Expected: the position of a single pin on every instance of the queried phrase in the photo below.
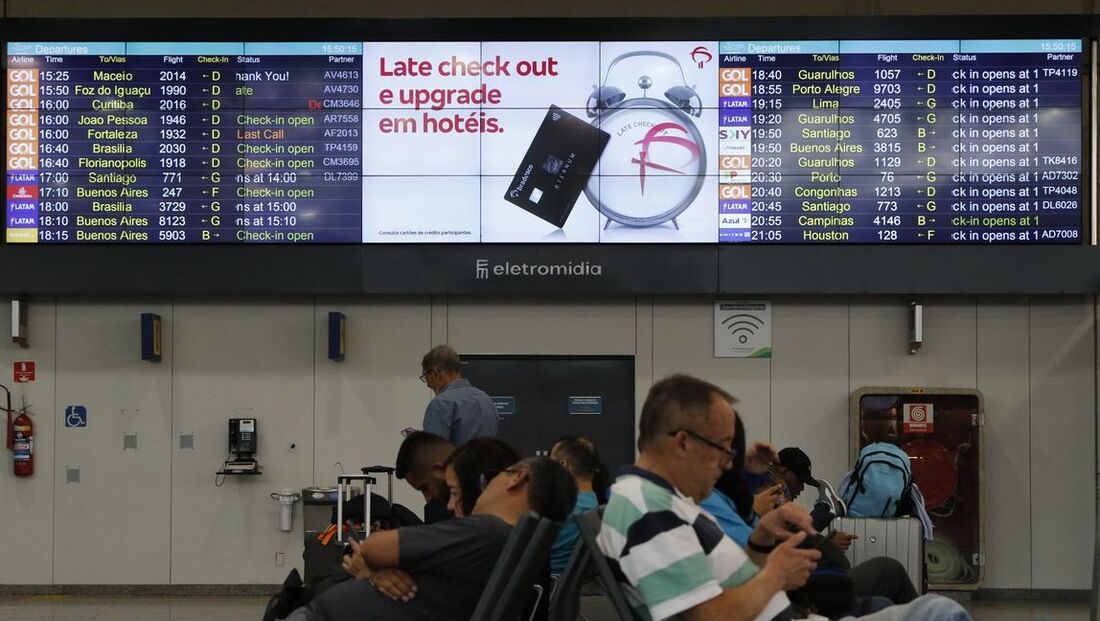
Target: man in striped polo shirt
(672, 558)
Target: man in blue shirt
(581, 460)
(459, 412)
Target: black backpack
(296, 593)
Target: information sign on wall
(743, 329)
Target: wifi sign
(742, 326)
(742, 329)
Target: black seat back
(509, 561)
(520, 586)
(565, 602)
(589, 524)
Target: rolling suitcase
(901, 539)
(323, 551)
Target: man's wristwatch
(762, 549)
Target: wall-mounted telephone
(242, 438)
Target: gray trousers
(925, 608)
(884, 577)
(300, 614)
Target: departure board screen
(774, 142)
(902, 141)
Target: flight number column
(903, 138)
(183, 134)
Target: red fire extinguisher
(23, 445)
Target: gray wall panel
(879, 344)
(1003, 369)
(27, 511)
(1063, 415)
(809, 385)
(521, 325)
(99, 366)
(364, 402)
(233, 361)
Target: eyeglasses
(489, 475)
(730, 453)
(425, 374)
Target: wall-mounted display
(694, 141)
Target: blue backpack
(880, 483)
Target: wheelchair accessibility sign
(76, 416)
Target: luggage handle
(388, 471)
(343, 482)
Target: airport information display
(777, 142)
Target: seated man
(579, 457)
(449, 562)
(792, 473)
(673, 559)
(878, 577)
(420, 462)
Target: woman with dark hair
(471, 467)
(474, 464)
(732, 501)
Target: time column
(58, 202)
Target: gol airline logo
(732, 191)
(656, 135)
(734, 162)
(22, 89)
(734, 74)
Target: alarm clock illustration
(656, 160)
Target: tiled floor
(1028, 611)
(72, 608)
(599, 609)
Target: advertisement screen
(708, 141)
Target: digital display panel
(779, 142)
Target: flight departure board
(902, 141)
(738, 142)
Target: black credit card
(557, 166)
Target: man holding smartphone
(673, 559)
